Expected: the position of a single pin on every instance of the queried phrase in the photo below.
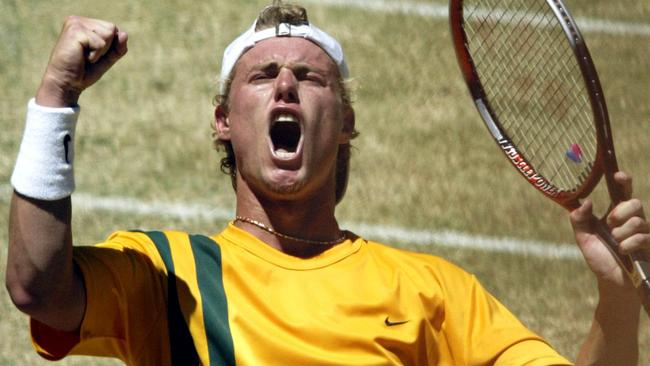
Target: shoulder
(129, 246)
(144, 241)
(409, 257)
(424, 266)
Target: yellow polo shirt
(169, 298)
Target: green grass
(423, 160)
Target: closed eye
(305, 74)
(313, 77)
(270, 71)
(267, 72)
(262, 76)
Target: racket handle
(642, 270)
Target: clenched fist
(85, 50)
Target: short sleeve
(125, 287)
(482, 331)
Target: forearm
(40, 272)
(613, 337)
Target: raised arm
(613, 337)
(41, 278)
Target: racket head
(534, 84)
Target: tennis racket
(535, 86)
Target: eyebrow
(294, 66)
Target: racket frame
(636, 267)
(568, 199)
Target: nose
(286, 86)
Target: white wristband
(44, 164)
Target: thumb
(582, 220)
(117, 49)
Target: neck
(309, 218)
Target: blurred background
(425, 175)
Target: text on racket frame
(524, 167)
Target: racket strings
(536, 20)
(528, 139)
(534, 85)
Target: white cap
(249, 38)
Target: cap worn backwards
(249, 38)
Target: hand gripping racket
(534, 83)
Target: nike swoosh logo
(392, 324)
(66, 143)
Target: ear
(221, 123)
(348, 125)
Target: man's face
(286, 118)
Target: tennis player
(282, 284)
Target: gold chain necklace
(288, 237)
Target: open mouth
(285, 135)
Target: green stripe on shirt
(207, 255)
(182, 349)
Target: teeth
(282, 153)
(286, 118)
(284, 135)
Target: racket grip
(641, 279)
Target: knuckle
(639, 241)
(73, 24)
(631, 243)
(613, 219)
(644, 238)
(636, 205)
(638, 222)
(72, 21)
(626, 211)
(644, 227)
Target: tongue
(285, 137)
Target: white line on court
(387, 234)
(440, 11)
